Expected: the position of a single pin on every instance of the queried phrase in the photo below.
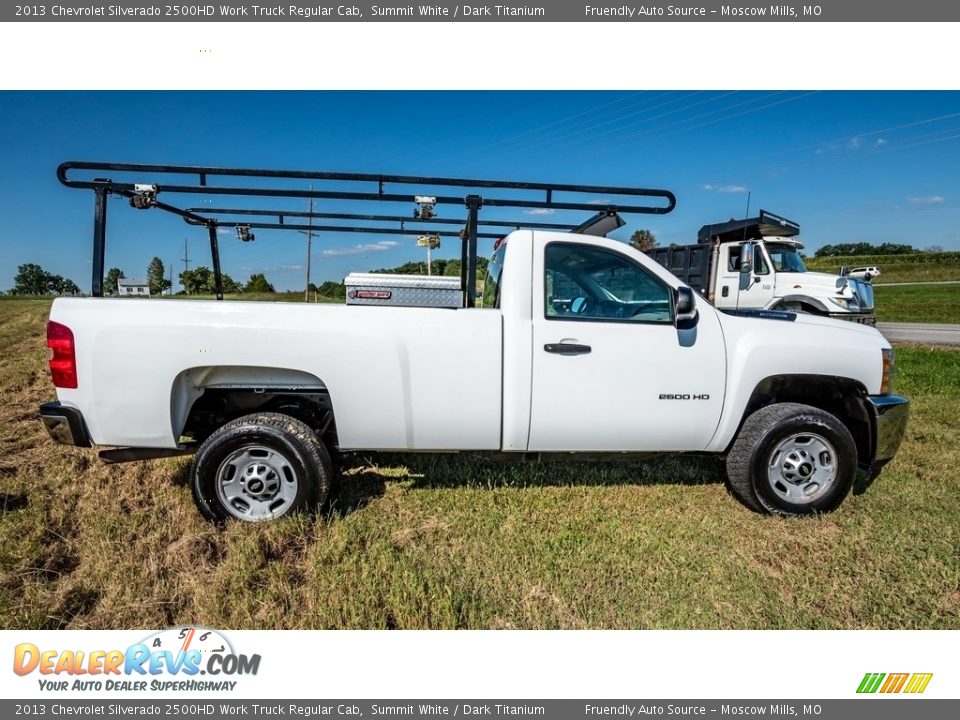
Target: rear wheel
(260, 467)
(792, 459)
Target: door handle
(567, 348)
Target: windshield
(786, 258)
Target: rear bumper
(889, 415)
(65, 424)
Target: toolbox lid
(422, 282)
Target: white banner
(450, 664)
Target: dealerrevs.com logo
(173, 659)
(911, 683)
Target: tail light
(62, 355)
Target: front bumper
(65, 424)
(861, 319)
(889, 414)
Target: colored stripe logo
(914, 683)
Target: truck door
(610, 370)
(759, 293)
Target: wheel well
(807, 304)
(217, 406)
(839, 396)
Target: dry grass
(453, 542)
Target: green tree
(451, 268)
(197, 281)
(70, 288)
(230, 286)
(31, 279)
(643, 240)
(56, 284)
(200, 281)
(110, 281)
(156, 277)
(331, 289)
(258, 284)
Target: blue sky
(848, 166)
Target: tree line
(31, 279)
(196, 281)
(864, 248)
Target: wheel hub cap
(256, 483)
(802, 468)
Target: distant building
(133, 287)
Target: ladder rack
(150, 181)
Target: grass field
(918, 303)
(922, 267)
(450, 542)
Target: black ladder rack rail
(404, 223)
(150, 174)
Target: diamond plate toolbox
(403, 290)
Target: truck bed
(395, 376)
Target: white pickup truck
(581, 345)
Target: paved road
(925, 333)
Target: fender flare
(806, 300)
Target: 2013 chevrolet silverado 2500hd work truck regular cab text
(582, 344)
(579, 344)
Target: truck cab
(756, 264)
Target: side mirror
(685, 306)
(746, 265)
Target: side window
(491, 284)
(733, 257)
(583, 282)
(760, 261)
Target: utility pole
(186, 261)
(306, 290)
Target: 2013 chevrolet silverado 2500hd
(580, 344)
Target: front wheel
(792, 459)
(260, 467)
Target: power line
(561, 121)
(593, 135)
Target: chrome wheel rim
(256, 483)
(802, 468)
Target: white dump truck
(755, 264)
(579, 345)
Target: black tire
(748, 462)
(273, 453)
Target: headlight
(849, 304)
(889, 370)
